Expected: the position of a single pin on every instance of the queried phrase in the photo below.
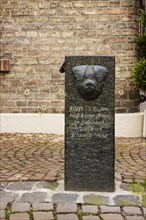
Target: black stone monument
(89, 123)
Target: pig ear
(100, 73)
(79, 71)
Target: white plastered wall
(126, 125)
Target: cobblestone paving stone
(40, 157)
(74, 211)
(31, 157)
(131, 158)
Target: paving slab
(3, 205)
(43, 184)
(64, 197)
(91, 218)
(135, 218)
(132, 210)
(110, 209)
(90, 209)
(144, 211)
(25, 185)
(18, 216)
(20, 207)
(129, 200)
(112, 217)
(66, 207)
(96, 199)
(6, 197)
(34, 197)
(67, 217)
(2, 214)
(42, 206)
(43, 216)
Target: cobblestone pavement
(69, 211)
(29, 161)
(31, 157)
(131, 159)
(41, 157)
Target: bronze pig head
(90, 80)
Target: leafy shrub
(139, 70)
(142, 17)
(141, 42)
(139, 74)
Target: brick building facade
(36, 35)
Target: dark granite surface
(89, 127)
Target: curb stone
(41, 195)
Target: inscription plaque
(89, 123)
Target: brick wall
(37, 34)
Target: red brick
(10, 103)
(117, 11)
(33, 103)
(30, 110)
(34, 82)
(21, 103)
(4, 65)
(115, 3)
(56, 103)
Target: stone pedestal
(89, 123)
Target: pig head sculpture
(89, 80)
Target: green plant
(53, 185)
(8, 213)
(141, 42)
(142, 17)
(139, 74)
(144, 183)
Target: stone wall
(36, 36)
